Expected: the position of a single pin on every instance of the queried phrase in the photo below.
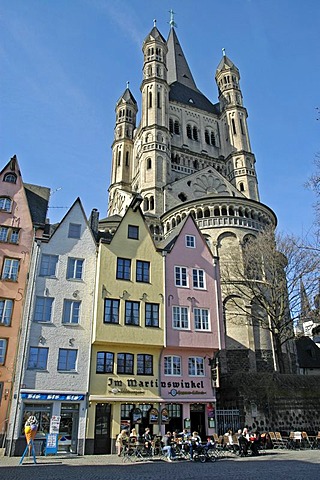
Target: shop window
(38, 358)
(48, 265)
(125, 363)
(144, 364)
(105, 362)
(152, 315)
(42, 412)
(111, 310)
(143, 271)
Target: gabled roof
(38, 200)
(178, 68)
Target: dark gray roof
(225, 61)
(38, 199)
(127, 97)
(308, 353)
(154, 34)
(193, 98)
(178, 68)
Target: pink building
(193, 331)
(23, 210)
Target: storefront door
(68, 431)
(198, 420)
(102, 440)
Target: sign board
(153, 415)
(55, 424)
(164, 416)
(53, 396)
(51, 444)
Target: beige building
(128, 334)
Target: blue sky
(65, 63)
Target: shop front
(68, 411)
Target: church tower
(240, 160)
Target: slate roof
(183, 94)
(38, 200)
(308, 353)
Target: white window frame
(196, 367)
(190, 241)
(11, 265)
(198, 282)
(71, 312)
(181, 276)
(72, 267)
(202, 317)
(179, 316)
(6, 309)
(172, 366)
(3, 350)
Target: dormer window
(10, 178)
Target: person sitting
(167, 446)
(254, 442)
(243, 442)
(194, 442)
(147, 438)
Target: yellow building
(128, 334)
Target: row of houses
(102, 330)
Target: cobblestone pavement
(274, 465)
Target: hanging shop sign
(55, 424)
(164, 416)
(153, 415)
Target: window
(143, 271)
(43, 309)
(3, 350)
(172, 365)
(75, 268)
(206, 137)
(67, 359)
(196, 366)
(6, 307)
(71, 312)
(111, 310)
(132, 313)
(195, 133)
(149, 163)
(10, 269)
(201, 319)
(152, 315)
(104, 362)
(198, 278)
(190, 241)
(5, 204)
(125, 363)
(170, 125)
(38, 357)
(48, 265)
(123, 268)
(9, 235)
(181, 279)
(133, 232)
(180, 318)
(74, 230)
(189, 131)
(10, 178)
(176, 127)
(144, 364)
(233, 126)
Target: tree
(314, 184)
(268, 275)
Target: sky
(65, 63)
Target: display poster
(153, 416)
(55, 424)
(51, 444)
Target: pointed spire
(225, 62)
(127, 96)
(178, 68)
